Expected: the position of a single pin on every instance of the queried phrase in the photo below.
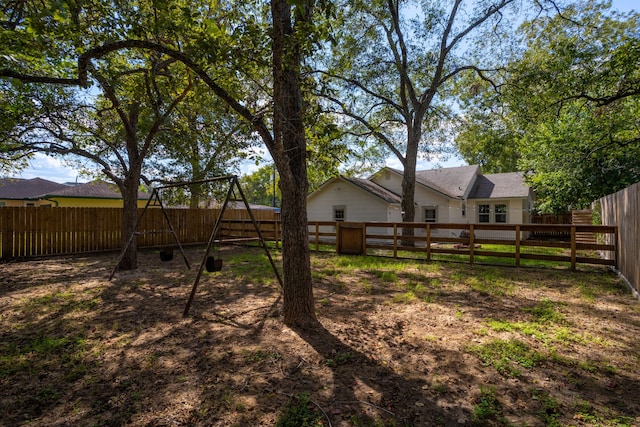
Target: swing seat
(166, 254)
(213, 264)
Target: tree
(568, 107)
(200, 141)
(118, 132)
(290, 156)
(260, 187)
(484, 132)
(391, 75)
(206, 46)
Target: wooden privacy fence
(467, 241)
(38, 231)
(622, 209)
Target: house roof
(500, 186)
(456, 183)
(364, 184)
(94, 189)
(18, 188)
(238, 204)
(375, 189)
(452, 182)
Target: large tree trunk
(409, 189)
(129, 191)
(289, 154)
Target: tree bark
(289, 154)
(129, 190)
(409, 184)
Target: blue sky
(55, 170)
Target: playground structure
(234, 193)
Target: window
(2, 204)
(501, 213)
(339, 213)
(431, 214)
(483, 213)
(463, 207)
(493, 213)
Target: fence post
(7, 232)
(471, 243)
(428, 242)
(364, 238)
(616, 252)
(517, 246)
(395, 240)
(573, 248)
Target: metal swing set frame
(156, 200)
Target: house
(447, 195)
(97, 194)
(26, 192)
(40, 192)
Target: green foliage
(299, 413)
(507, 356)
(487, 408)
(550, 409)
(340, 358)
(567, 109)
(545, 312)
(526, 328)
(259, 187)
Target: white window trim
(342, 208)
(483, 213)
(506, 213)
(424, 213)
(492, 212)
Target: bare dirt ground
(401, 343)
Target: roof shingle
(94, 189)
(18, 188)
(375, 189)
(500, 185)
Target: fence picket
(36, 231)
(621, 209)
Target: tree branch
(98, 52)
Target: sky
(53, 169)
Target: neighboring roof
(500, 186)
(94, 189)
(375, 189)
(239, 204)
(18, 188)
(364, 184)
(452, 182)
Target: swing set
(211, 263)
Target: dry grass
(401, 343)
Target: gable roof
(94, 189)
(364, 184)
(18, 188)
(452, 182)
(500, 186)
(375, 189)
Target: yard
(402, 343)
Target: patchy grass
(401, 343)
